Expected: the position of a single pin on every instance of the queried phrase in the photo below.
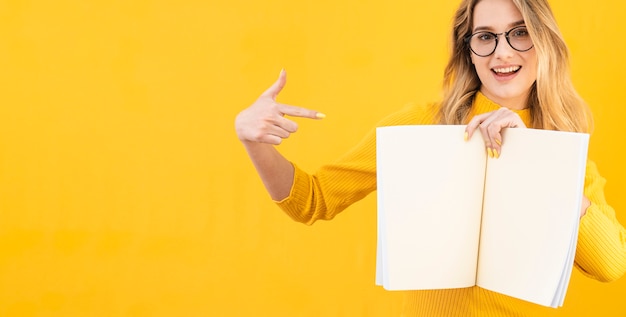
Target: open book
(451, 217)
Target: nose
(503, 48)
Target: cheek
(532, 63)
(482, 69)
(532, 59)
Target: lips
(505, 73)
(506, 70)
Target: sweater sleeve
(352, 177)
(601, 249)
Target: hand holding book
(491, 125)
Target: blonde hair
(553, 101)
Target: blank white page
(430, 189)
(533, 198)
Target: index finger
(474, 123)
(300, 112)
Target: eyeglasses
(484, 43)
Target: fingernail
(490, 152)
(499, 142)
(496, 154)
(282, 70)
(320, 115)
(466, 136)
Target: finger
(481, 122)
(503, 118)
(495, 135)
(300, 112)
(492, 132)
(277, 125)
(286, 124)
(489, 126)
(277, 87)
(483, 128)
(473, 125)
(270, 133)
(271, 139)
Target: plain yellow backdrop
(125, 192)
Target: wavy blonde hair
(553, 101)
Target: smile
(506, 70)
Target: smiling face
(506, 75)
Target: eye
(485, 36)
(521, 33)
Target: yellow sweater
(600, 253)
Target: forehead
(497, 15)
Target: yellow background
(125, 192)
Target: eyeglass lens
(484, 43)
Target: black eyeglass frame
(497, 38)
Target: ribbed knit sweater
(600, 253)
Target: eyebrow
(487, 28)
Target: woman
(508, 69)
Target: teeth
(507, 69)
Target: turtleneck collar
(482, 104)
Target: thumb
(275, 89)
